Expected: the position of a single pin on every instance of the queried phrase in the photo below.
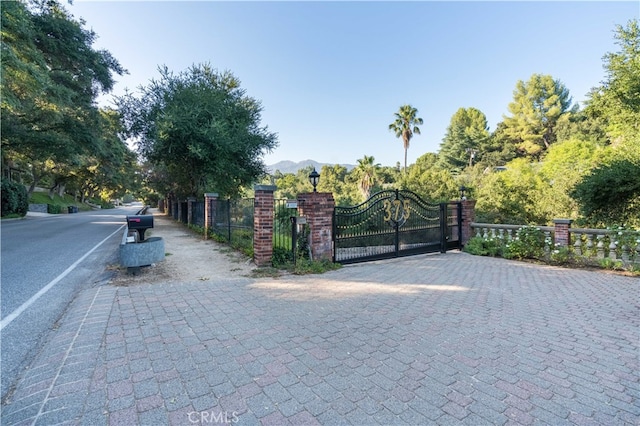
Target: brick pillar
(452, 210)
(318, 208)
(468, 217)
(561, 236)
(190, 202)
(209, 211)
(263, 224)
(161, 206)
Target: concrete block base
(145, 253)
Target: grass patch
(306, 266)
(57, 204)
(12, 216)
(266, 272)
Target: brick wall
(318, 208)
(561, 232)
(468, 216)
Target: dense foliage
(14, 198)
(548, 159)
(610, 193)
(51, 77)
(198, 129)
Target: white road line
(13, 315)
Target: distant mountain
(293, 167)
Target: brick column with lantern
(318, 208)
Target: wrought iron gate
(394, 223)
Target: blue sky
(330, 75)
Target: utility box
(140, 223)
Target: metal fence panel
(175, 211)
(282, 226)
(197, 213)
(234, 221)
(184, 213)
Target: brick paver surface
(437, 339)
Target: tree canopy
(51, 76)
(617, 101)
(201, 128)
(465, 140)
(537, 108)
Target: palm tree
(367, 170)
(405, 126)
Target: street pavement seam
(66, 356)
(56, 372)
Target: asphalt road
(44, 262)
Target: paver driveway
(430, 339)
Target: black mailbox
(140, 223)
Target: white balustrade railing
(584, 242)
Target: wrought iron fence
(282, 226)
(197, 213)
(184, 212)
(234, 222)
(174, 211)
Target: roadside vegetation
(530, 244)
(283, 259)
(548, 158)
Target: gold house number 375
(396, 210)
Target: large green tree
(465, 138)
(405, 126)
(202, 127)
(337, 180)
(617, 101)
(51, 76)
(564, 165)
(512, 196)
(610, 194)
(111, 171)
(538, 106)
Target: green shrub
(281, 257)
(608, 263)
(306, 266)
(481, 247)
(302, 243)
(625, 236)
(634, 269)
(528, 243)
(560, 256)
(14, 199)
(54, 209)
